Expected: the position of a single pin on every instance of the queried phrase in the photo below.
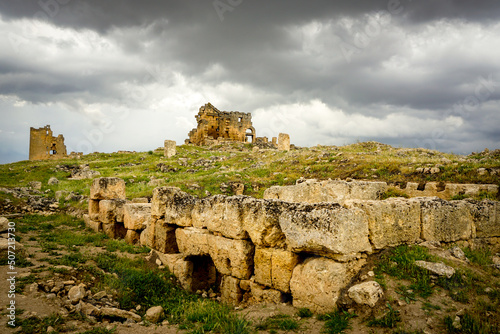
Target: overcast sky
(126, 75)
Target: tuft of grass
(336, 322)
(481, 256)
(389, 320)
(203, 316)
(100, 330)
(304, 312)
(392, 192)
(279, 321)
(471, 324)
(113, 245)
(34, 325)
(399, 262)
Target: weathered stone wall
(271, 250)
(214, 124)
(43, 145)
(170, 148)
(313, 191)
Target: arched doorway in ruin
(250, 135)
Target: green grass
(304, 312)
(34, 325)
(279, 321)
(399, 262)
(388, 320)
(471, 324)
(481, 256)
(336, 322)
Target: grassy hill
(204, 170)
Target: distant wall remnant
(283, 142)
(43, 145)
(170, 148)
(313, 191)
(214, 124)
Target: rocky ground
(72, 299)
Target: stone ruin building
(43, 145)
(214, 124)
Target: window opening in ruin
(421, 186)
(239, 119)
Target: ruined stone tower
(214, 124)
(43, 145)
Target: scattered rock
(115, 312)
(83, 172)
(99, 295)
(4, 224)
(53, 181)
(37, 185)
(439, 268)
(458, 253)
(76, 293)
(154, 314)
(367, 293)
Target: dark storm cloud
(384, 68)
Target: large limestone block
(172, 204)
(136, 215)
(317, 283)
(192, 241)
(111, 211)
(391, 222)
(170, 148)
(114, 231)
(221, 214)
(94, 209)
(107, 188)
(232, 257)
(446, 221)
(262, 294)
(164, 237)
(312, 191)
(486, 215)
(326, 229)
(95, 225)
(261, 221)
(274, 267)
(148, 234)
(283, 142)
(230, 290)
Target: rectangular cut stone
(221, 214)
(230, 290)
(392, 222)
(92, 224)
(312, 191)
(173, 205)
(107, 188)
(325, 229)
(232, 257)
(170, 148)
(446, 221)
(114, 231)
(94, 209)
(192, 241)
(316, 283)
(262, 294)
(274, 267)
(486, 215)
(111, 211)
(164, 237)
(283, 142)
(261, 221)
(136, 215)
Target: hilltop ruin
(43, 145)
(214, 124)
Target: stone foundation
(271, 250)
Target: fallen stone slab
(437, 268)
